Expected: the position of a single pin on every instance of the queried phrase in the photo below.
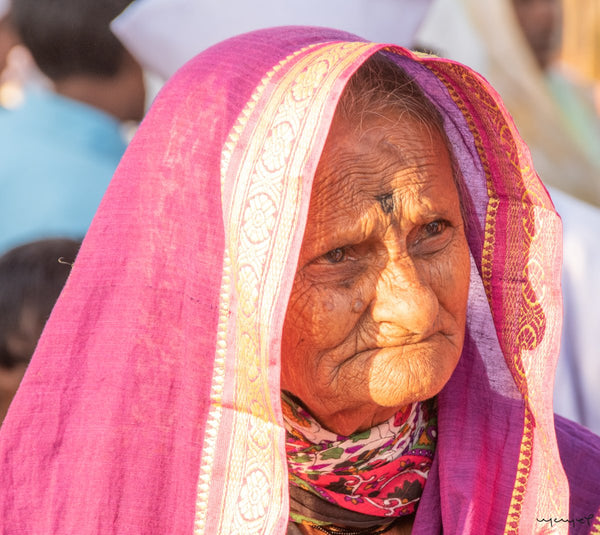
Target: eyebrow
(387, 202)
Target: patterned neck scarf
(378, 472)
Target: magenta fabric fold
(129, 417)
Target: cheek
(450, 277)
(458, 288)
(318, 318)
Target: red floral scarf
(377, 472)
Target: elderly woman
(320, 296)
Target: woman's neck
(351, 420)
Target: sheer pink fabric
(152, 403)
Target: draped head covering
(152, 404)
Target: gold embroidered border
(522, 477)
(266, 196)
(488, 251)
(596, 524)
(531, 316)
(259, 228)
(487, 255)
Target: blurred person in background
(541, 22)
(515, 44)
(17, 68)
(31, 279)
(61, 147)
(8, 36)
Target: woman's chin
(397, 381)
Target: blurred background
(580, 49)
(581, 38)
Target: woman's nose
(405, 303)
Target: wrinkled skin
(377, 312)
(541, 22)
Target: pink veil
(152, 402)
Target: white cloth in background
(164, 34)
(576, 390)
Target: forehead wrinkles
(375, 165)
(351, 178)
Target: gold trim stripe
(278, 128)
(595, 530)
(487, 261)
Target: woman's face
(377, 312)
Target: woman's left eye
(432, 236)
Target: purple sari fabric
(580, 453)
(152, 404)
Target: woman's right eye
(335, 256)
(341, 264)
(339, 255)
